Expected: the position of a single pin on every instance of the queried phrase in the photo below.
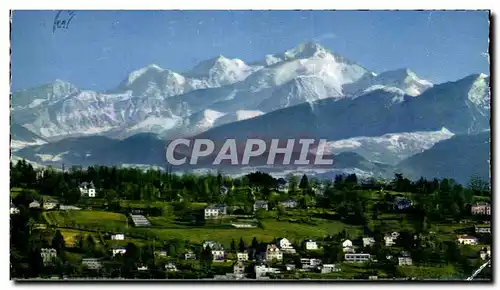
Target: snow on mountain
(390, 148)
(371, 115)
(32, 98)
(221, 71)
(402, 79)
(22, 137)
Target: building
(239, 268)
(92, 263)
(311, 245)
(170, 267)
(391, 239)
(260, 204)
(242, 256)
(160, 253)
(483, 229)
(215, 211)
(467, 240)
(290, 267)
(50, 204)
(285, 245)
(357, 258)
(273, 253)
(289, 203)
(481, 208)
(308, 263)
(140, 220)
(329, 268)
(402, 203)
(262, 270)
(48, 255)
(118, 237)
(223, 190)
(405, 259)
(347, 246)
(218, 252)
(87, 189)
(190, 255)
(368, 242)
(68, 207)
(485, 253)
(34, 204)
(118, 251)
(13, 209)
(142, 268)
(320, 190)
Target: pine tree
(304, 182)
(242, 245)
(58, 242)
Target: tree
(255, 243)
(233, 246)
(241, 245)
(58, 242)
(304, 182)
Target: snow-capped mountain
(153, 99)
(390, 148)
(372, 121)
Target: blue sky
(100, 48)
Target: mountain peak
(306, 50)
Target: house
(190, 255)
(368, 241)
(87, 189)
(308, 263)
(242, 256)
(34, 204)
(402, 203)
(262, 270)
(347, 246)
(239, 268)
(118, 237)
(92, 263)
(223, 190)
(218, 252)
(485, 253)
(48, 255)
(140, 220)
(405, 259)
(215, 211)
(289, 203)
(290, 267)
(260, 204)
(50, 204)
(39, 226)
(311, 245)
(142, 268)
(481, 208)
(118, 251)
(357, 258)
(285, 245)
(467, 240)
(170, 267)
(273, 253)
(13, 209)
(483, 229)
(329, 268)
(160, 253)
(391, 239)
(68, 207)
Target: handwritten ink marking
(62, 20)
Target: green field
(94, 219)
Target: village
(248, 247)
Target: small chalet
(87, 189)
(311, 245)
(481, 208)
(34, 204)
(402, 203)
(48, 255)
(215, 211)
(467, 240)
(273, 253)
(405, 259)
(260, 204)
(289, 203)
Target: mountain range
(384, 119)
